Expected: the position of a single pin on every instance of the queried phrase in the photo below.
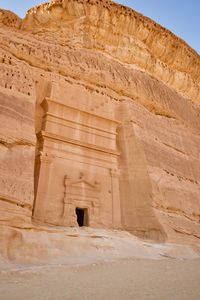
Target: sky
(182, 17)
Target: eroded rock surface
(100, 102)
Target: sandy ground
(97, 264)
(124, 279)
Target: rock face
(100, 122)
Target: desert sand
(101, 264)
(126, 279)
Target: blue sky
(180, 16)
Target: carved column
(41, 200)
(67, 203)
(116, 205)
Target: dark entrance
(82, 217)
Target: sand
(100, 264)
(123, 279)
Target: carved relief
(46, 157)
(78, 140)
(115, 172)
(84, 194)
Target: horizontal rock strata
(107, 60)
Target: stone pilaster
(66, 203)
(41, 200)
(116, 205)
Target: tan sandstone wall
(109, 60)
(17, 155)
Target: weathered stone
(99, 123)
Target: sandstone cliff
(106, 59)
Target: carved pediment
(82, 183)
(82, 190)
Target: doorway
(82, 216)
